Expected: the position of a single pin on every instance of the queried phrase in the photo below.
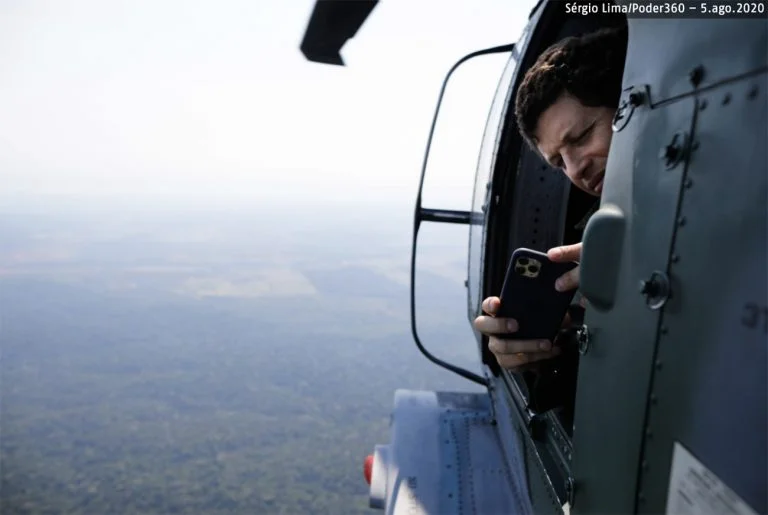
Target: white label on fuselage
(696, 490)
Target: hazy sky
(213, 101)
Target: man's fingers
(491, 305)
(491, 325)
(504, 346)
(565, 253)
(568, 281)
(512, 361)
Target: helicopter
(663, 407)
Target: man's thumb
(565, 253)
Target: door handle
(601, 256)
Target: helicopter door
(639, 206)
(672, 380)
(471, 218)
(709, 388)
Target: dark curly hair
(589, 67)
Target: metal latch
(570, 491)
(633, 97)
(582, 338)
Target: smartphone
(529, 296)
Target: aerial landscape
(205, 247)
(212, 362)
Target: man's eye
(583, 136)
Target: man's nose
(574, 166)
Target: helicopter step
(445, 456)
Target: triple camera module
(527, 267)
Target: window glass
(483, 177)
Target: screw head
(669, 152)
(655, 289)
(648, 287)
(696, 75)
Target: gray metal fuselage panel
(445, 457)
(709, 391)
(692, 370)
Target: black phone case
(529, 296)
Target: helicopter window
(531, 204)
(481, 194)
(539, 208)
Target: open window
(531, 204)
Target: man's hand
(510, 354)
(569, 280)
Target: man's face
(576, 139)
